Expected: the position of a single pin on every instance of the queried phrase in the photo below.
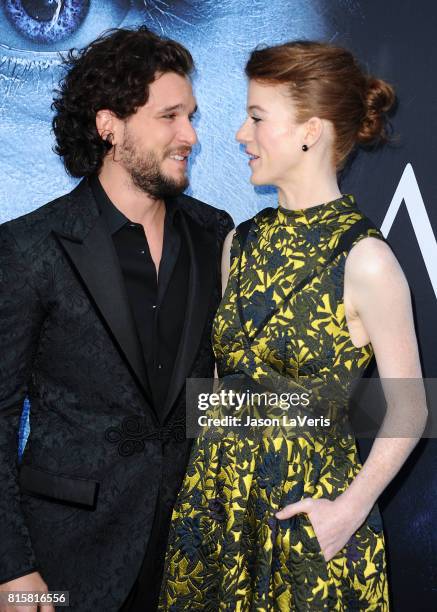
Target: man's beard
(146, 173)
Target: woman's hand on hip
(334, 522)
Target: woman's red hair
(326, 81)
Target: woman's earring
(304, 147)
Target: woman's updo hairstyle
(326, 81)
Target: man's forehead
(171, 89)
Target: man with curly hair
(108, 295)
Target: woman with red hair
(312, 293)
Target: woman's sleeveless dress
(226, 549)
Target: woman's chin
(256, 180)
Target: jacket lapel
(92, 254)
(203, 276)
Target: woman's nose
(242, 133)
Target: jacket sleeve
(21, 318)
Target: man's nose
(189, 135)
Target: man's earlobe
(108, 139)
(104, 123)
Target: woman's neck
(304, 192)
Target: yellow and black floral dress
(282, 314)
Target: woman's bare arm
(378, 291)
(226, 258)
(378, 296)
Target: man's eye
(255, 119)
(171, 116)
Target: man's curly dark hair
(113, 72)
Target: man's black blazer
(79, 507)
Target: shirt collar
(113, 217)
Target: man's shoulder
(31, 227)
(209, 217)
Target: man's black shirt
(157, 303)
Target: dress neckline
(320, 213)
